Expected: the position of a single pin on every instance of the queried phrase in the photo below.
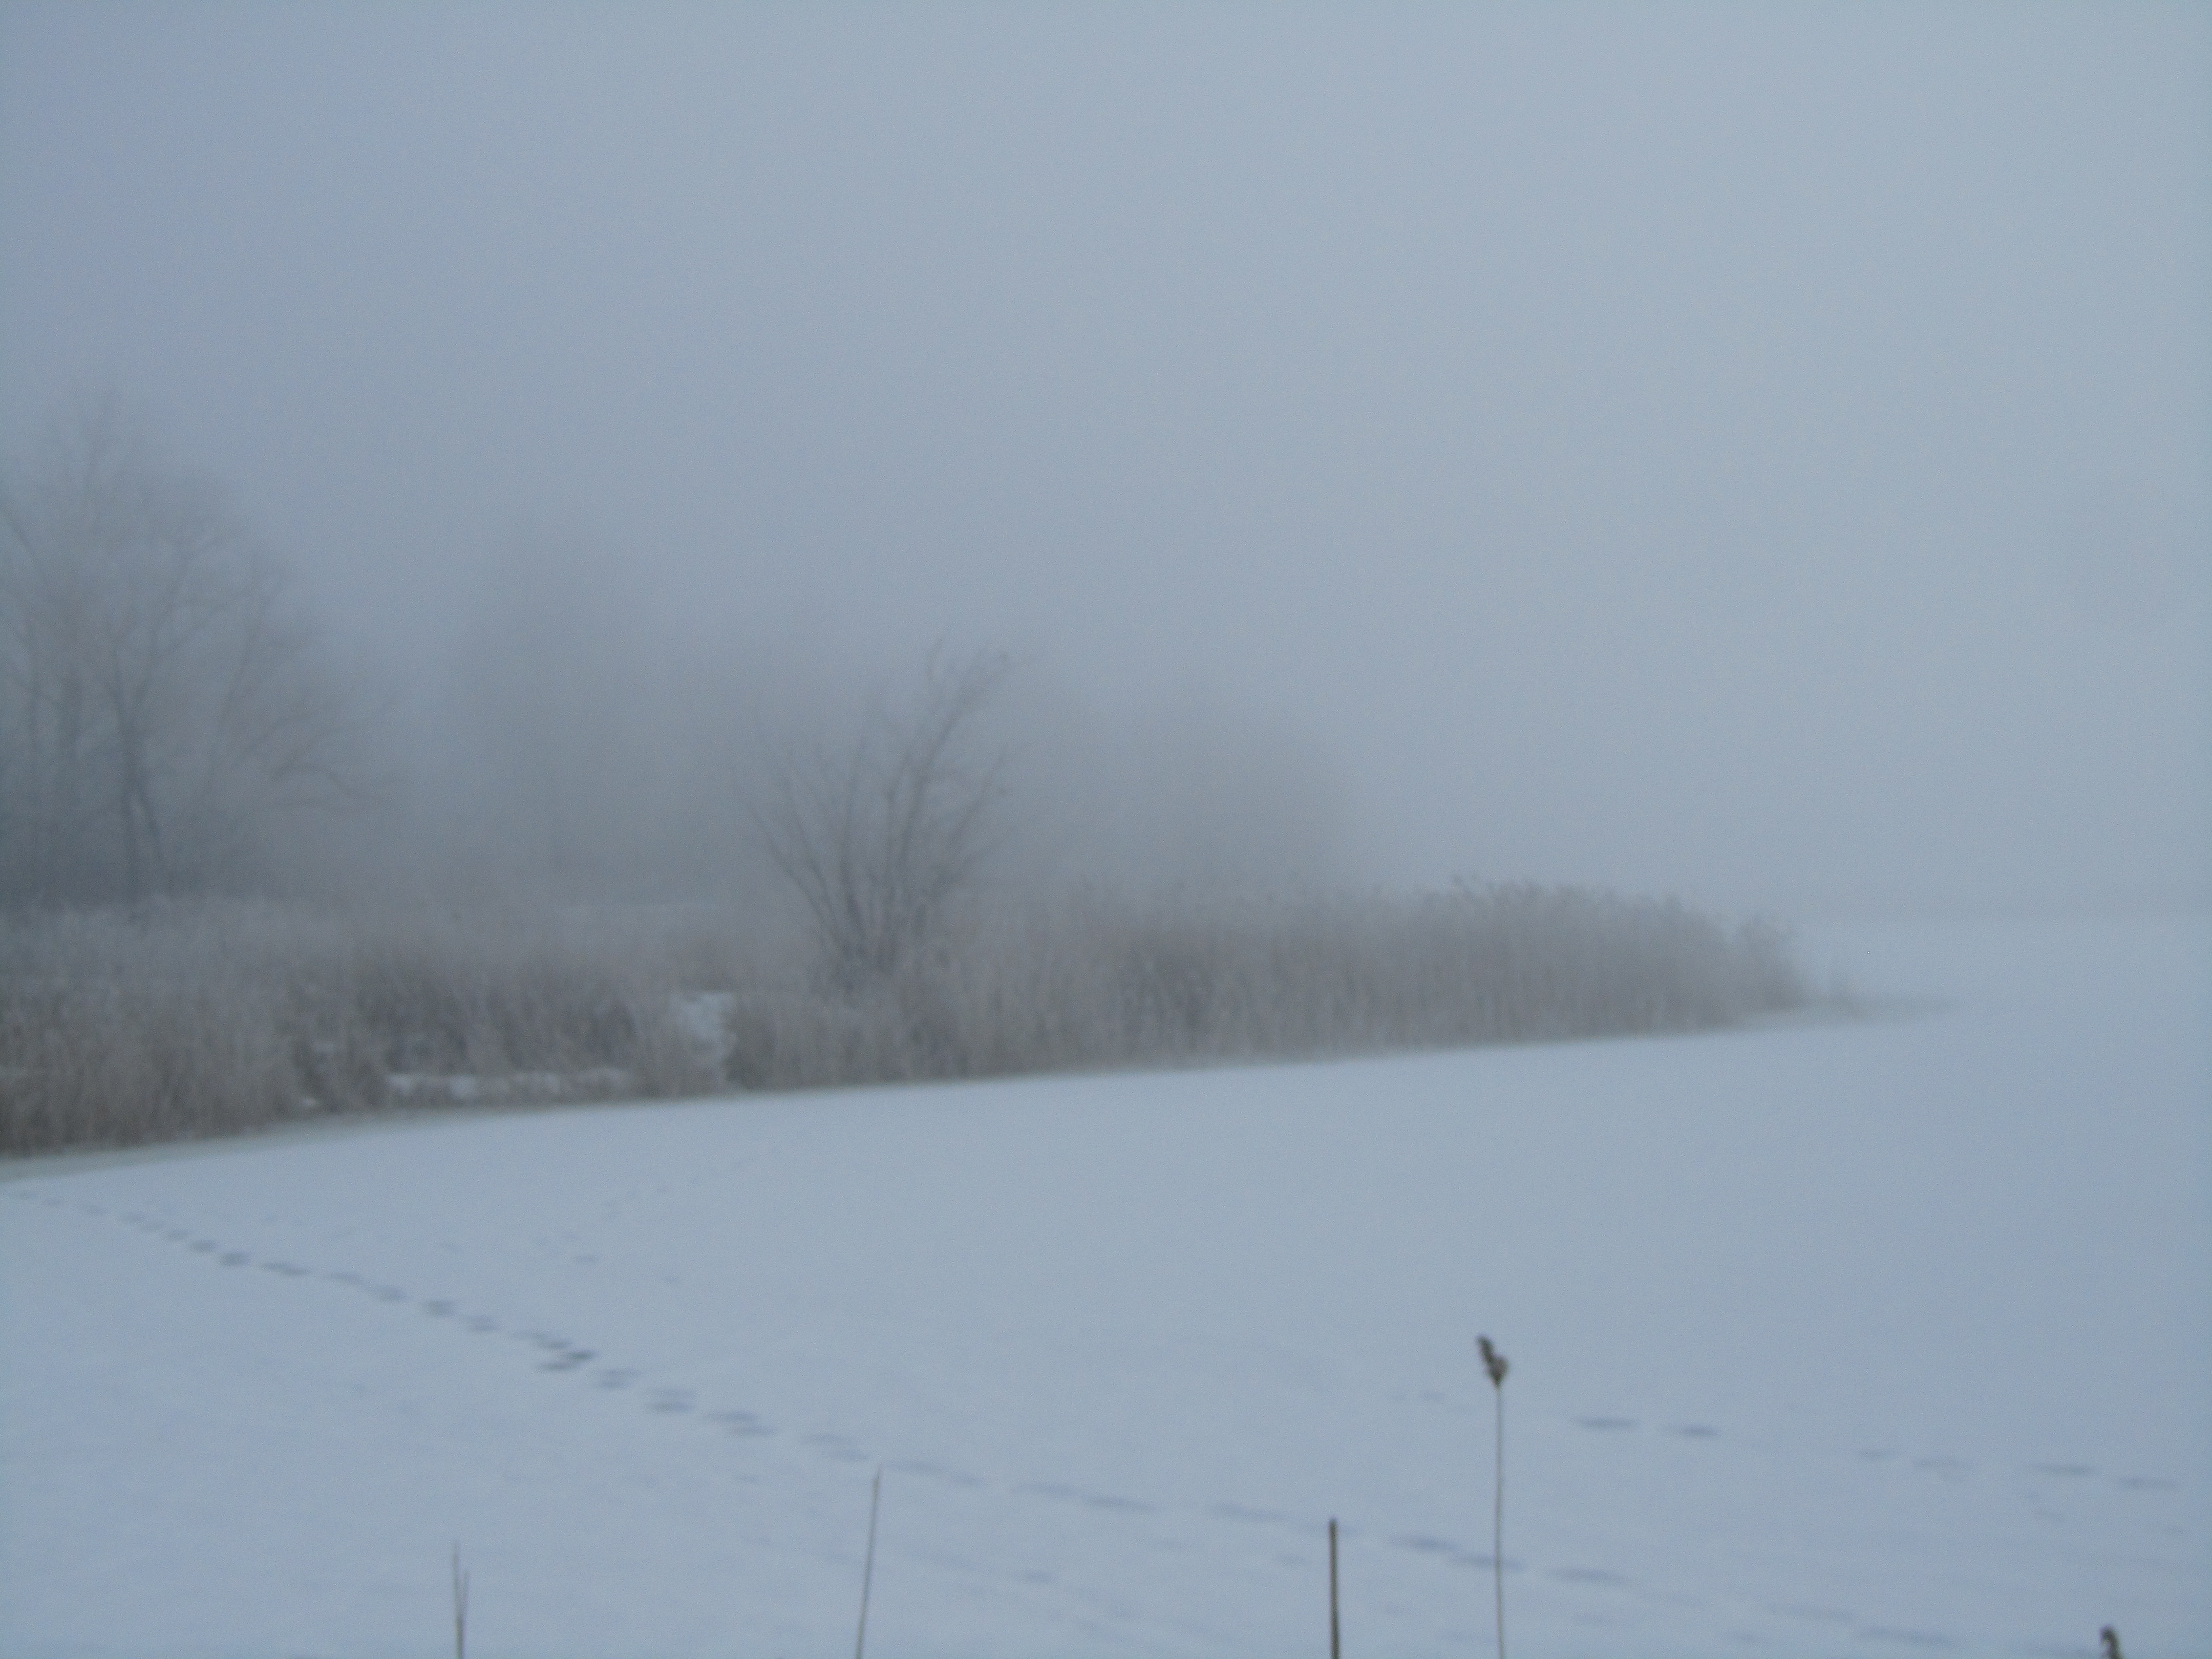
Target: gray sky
(1763, 452)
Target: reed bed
(213, 1017)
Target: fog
(1759, 454)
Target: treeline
(874, 897)
(557, 723)
(207, 1018)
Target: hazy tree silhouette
(161, 699)
(880, 837)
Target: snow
(1871, 1338)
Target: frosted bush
(207, 1018)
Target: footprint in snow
(1909, 1638)
(1951, 1468)
(1811, 1614)
(1099, 1500)
(671, 1401)
(1096, 1500)
(932, 1472)
(1425, 1544)
(1605, 1425)
(1585, 1575)
(1240, 1512)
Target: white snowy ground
(1829, 1339)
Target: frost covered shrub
(109, 1033)
(1092, 983)
(206, 1018)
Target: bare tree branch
(161, 703)
(881, 837)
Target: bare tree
(881, 837)
(159, 698)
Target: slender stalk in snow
(868, 1568)
(1495, 1364)
(1335, 1644)
(460, 1608)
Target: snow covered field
(1871, 1339)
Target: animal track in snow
(1950, 1468)
(1425, 1544)
(1095, 1500)
(1239, 1512)
(1812, 1616)
(561, 1355)
(1911, 1638)
(1585, 1575)
(1108, 1501)
(932, 1471)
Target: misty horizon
(1757, 456)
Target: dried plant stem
(460, 1608)
(1495, 1365)
(868, 1568)
(1335, 1639)
(1498, 1525)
